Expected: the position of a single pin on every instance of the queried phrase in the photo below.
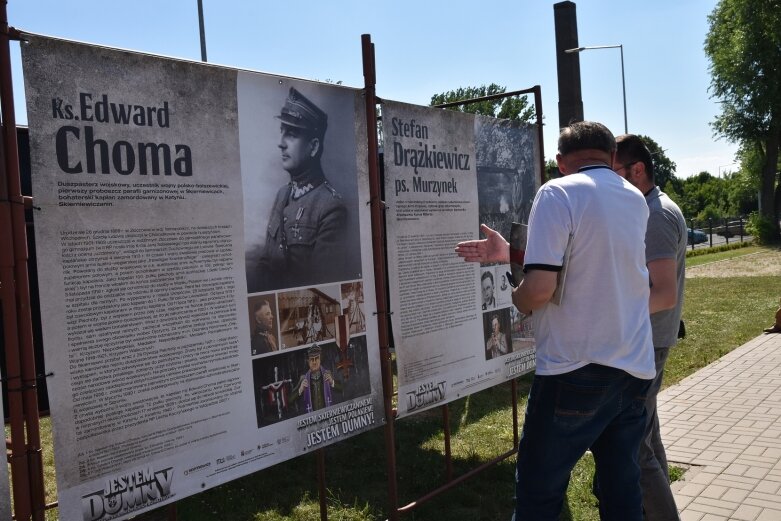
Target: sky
(426, 47)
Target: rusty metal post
(19, 469)
(321, 490)
(448, 452)
(514, 390)
(538, 111)
(16, 305)
(378, 249)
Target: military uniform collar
(306, 182)
(261, 328)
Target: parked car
(733, 228)
(696, 236)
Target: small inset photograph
(488, 289)
(300, 381)
(496, 330)
(504, 291)
(352, 306)
(264, 337)
(273, 381)
(352, 366)
(308, 315)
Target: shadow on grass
(357, 477)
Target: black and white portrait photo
(263, 324)
(298, 157)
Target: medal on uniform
(295, 229)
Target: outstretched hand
(494, 248)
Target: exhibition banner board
(455, 329)
(205, 263)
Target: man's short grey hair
(586, 135)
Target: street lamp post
(202, 30)
(623, 81)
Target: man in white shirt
(595, 357)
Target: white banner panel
(202, 236)
(454, 327)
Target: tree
(741, 193)
(664, 167)
(515, 108)
(744, 47)
(551, 170)
(692, 196)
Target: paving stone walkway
(724, 422)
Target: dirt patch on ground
(751, 265)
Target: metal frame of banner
(378, 222)
(25, 447)
(536, 90)
(378, 247)
(25, 443)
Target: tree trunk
(769, 197)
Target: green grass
(720, 314)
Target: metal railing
(715, 232)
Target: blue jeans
(594, 406)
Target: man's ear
(314, 146)
(635, 173)
(562, 164)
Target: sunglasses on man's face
(625, 166)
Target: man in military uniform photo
(263, 339)
(304, 239)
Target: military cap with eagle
(300, 112)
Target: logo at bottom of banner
(425, 394)
(127, 493)
(521, 363)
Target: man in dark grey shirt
(665, 253)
